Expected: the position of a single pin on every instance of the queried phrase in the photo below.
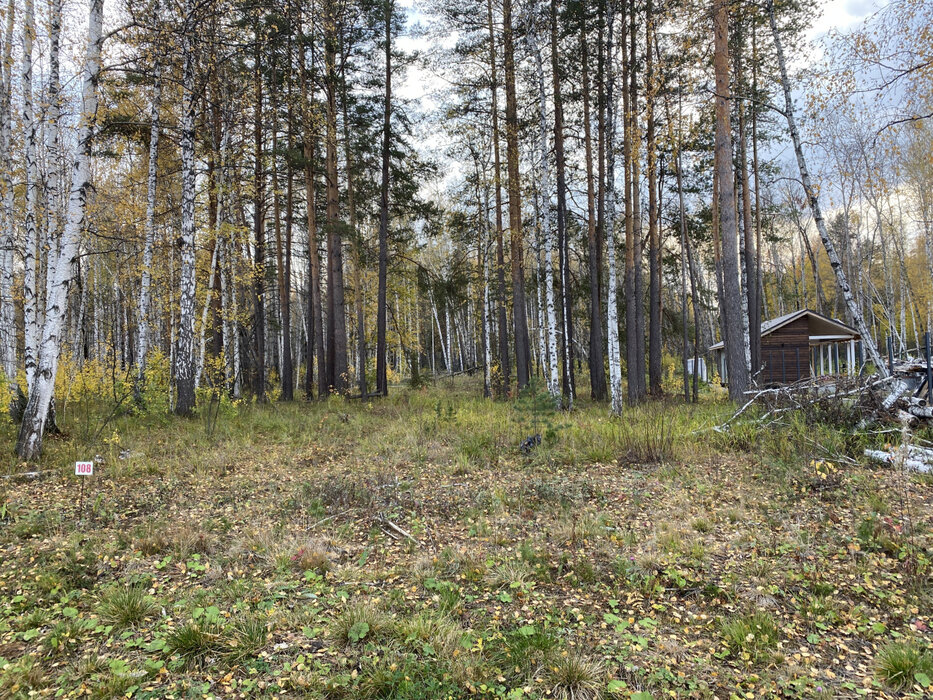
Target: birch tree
(612, 285)
(145, 284)
(855, 312)
(546, 218)
(29, 443)
(7, 308)
(31, 177)
(184, 368)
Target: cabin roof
(819, 326)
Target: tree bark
(598, 390)
(382, 384)
(547, 223)
(654, 238)
(519, 316)
(504, 378)
(612, 285)
(184, 355)
(7, 304)
(732, 308)
(259, 232)
(568, 383)
(29, 443)
(145, 284)
(31, 178)
(337, 379)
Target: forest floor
(406, 548)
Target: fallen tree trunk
(909, 461)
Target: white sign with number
(84, 468)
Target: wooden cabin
(800, 345)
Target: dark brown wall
(785, 353)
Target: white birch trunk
(202, 340)
(7, 309)
(184, 359)
(31, 176)
(867, 341)
(40, 397)
(145, 285)
(487, 326)
(538, 315)
(612, 283)
(449, 342)
(440, 333)
(548, 223)
(53, 142)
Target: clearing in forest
(406, 548)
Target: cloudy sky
(422, 87)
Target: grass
(751, 635)
(126, 606)
(358, 624)
(575, 677)
(901, 664)
(264, 557)
(195, 645)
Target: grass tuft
(752, 635)
(358, 624)
(898, 664)
(126, 607)
(575, 677)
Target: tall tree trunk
(283, 282)
(519, 317)
(285, 303)
(612, 285)
(337, 366)
(259, 231)
(547, 223)
(639, 282)
(184, 355)
(598, 389)
(732, 307)
(568, 388)
(382, 383)
(654, 238)
(751, 268)
(29, 443)
(53, 183)
(145, 284)
(315, 340)
(31, 177)
(505, 373)
(7, 304)
(867, 341)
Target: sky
(422, 87)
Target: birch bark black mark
(184, 357)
